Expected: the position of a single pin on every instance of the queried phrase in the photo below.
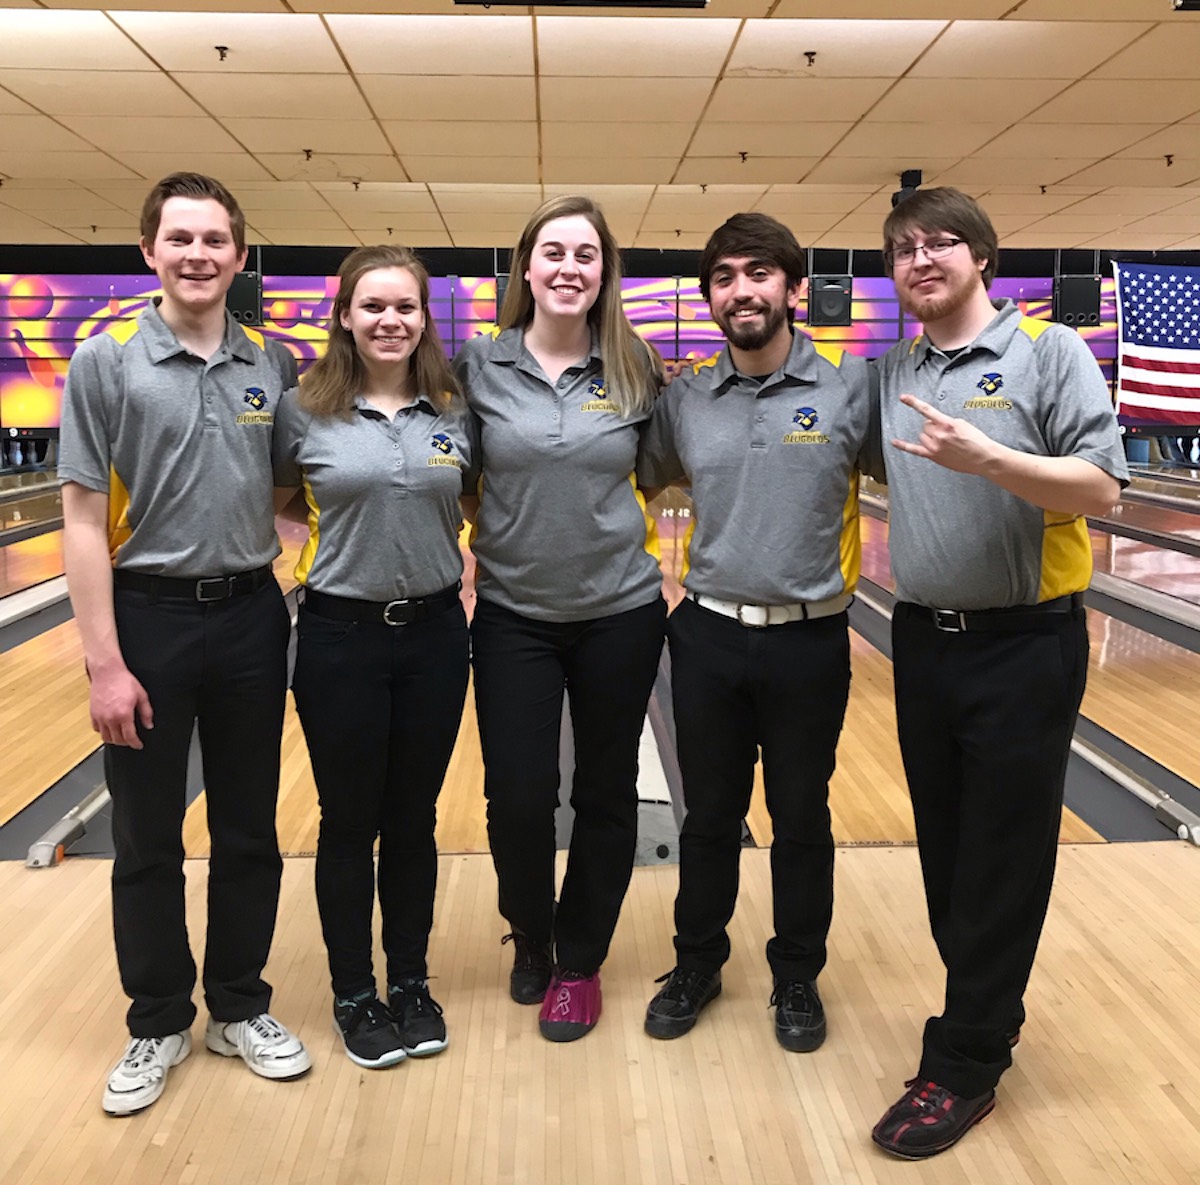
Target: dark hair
(756, 236)
(630, 370)
(950, 211)
(332, 382)
(191, 185)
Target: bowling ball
(285, 313)
(27, 298)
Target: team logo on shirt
(445, 446)
(990, 384)
(597, 398)
(256, 397)
(808, 419)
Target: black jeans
(985, 722)
(607, 666)
(380, 706)
(223, 666)
(782, 688)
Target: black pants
(985, 722)
(380, 706)
(221, 666)
(607, 666)
(782, 688)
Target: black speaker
(244, 298)
(1077, 300)
(829, 299)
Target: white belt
(758, 616)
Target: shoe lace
(529, 955)
(681, 985)
(792, 996)
(415, 998)
(265, 1026)
(142, 1052)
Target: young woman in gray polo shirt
(569, 596)
(383, 451)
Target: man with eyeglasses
(1002, 438)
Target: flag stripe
(1166, 367)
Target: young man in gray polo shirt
(769, 436)
(169, 538)
(1002, 437)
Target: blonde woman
(569, 598)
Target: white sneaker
(262, 1043)
(140, 1076)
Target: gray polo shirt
(958, 541)
(773, 468)
(181, 446)
(562, 533)
(383, 495)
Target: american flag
(1158, 355)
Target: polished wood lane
(30, 561)
(1103, 1089)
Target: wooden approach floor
(1106, 1085)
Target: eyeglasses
(937, 249)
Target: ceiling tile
(332, 166)
(1099, 10)
(883, 170)
(9, 103)
(1154, 172)
(458, 198)
(229, 167)
(1020, 49)
(53, 202)
(376, 223)
(808, 202)
(34, 132)
(482, 170)
(803, 138)
(73, 166)
(321, 135)
(586, 170)
(135, 133)
(1080, 139)
(936, 10)
(584, 48)
(256, 42)
(66, 41)
(783, 100)
(927, 101)
(1169, 51)
(98, 92)
(984, 169)
(278, 96)
(459, 45)
(764, 170)
(1182, 139)
(1031, 202)
(1121, 101)
(456, 138)
(843, 48)
(628, 100)
(307, 236)
(465, 99)
(609, 140)
(950, 139)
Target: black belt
(381, 612)
(201, 588)
(1018, 617)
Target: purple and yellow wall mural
(44, 317)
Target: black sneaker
(418, 1016)
(532, 967)
(367, 1032)
(928, 1119)
(677, 1007)
(799, 1015)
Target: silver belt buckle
(949, 621)
(387, 613)
(224, 585)
(755, 611)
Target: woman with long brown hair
(379, 440)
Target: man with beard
(1003, 438)
(768, 434)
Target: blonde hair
(630, 372)
(332, 382)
